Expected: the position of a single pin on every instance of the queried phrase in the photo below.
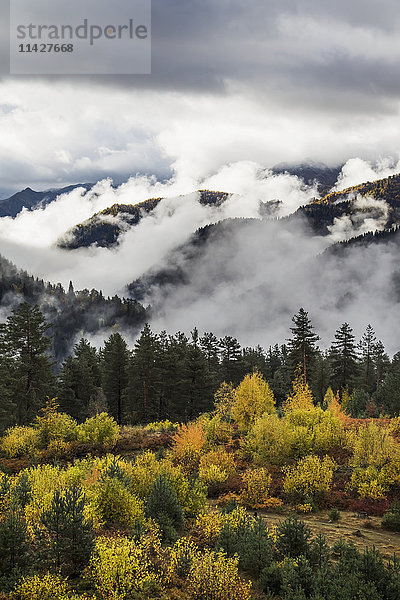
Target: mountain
(321, 213)
(28, 198)
(104, 228)
(312, 172)
(71, 313)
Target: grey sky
(267, 81)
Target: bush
(311, 476)
(114, 504)
(334, 514)
(188, 445)
(216, 466)
(270, 440)
(161, 427)
(212, 575)
(54, 426)
(253, 398)
(20, 441)
(257, 482)
(44, 587)
(119, 567)
(100, 430)
(391, 519)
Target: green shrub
(116, 505)
(391, 519)
(101, 430)
(334, 514)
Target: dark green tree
(70, 532)
(343, 358)
(144, 378)
(79, 380)
(367, 348)
(32, 379)
(114, 374)
(14, 548)
(302, 345)
(231, 360)
(199, 389)
(163, 506)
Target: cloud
(357, 170)
(145, 245)
(368, 214)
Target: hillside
(104, 228)
(321, 213)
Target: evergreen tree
(343, 358)
(302, 345)
(25, 334)
(210, 346)
(357, 404)
(114, 367)
(381, 362)
(199, 391)
(388, 394)
(163, 506)
(8, 407)
(144, 377)
(79, 380)
(71, 534)
(13, 543)
(231, 360)
(367, 349)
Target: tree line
(175, 376)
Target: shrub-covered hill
(104, 228)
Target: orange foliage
(188, 444)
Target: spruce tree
(343, 358)
(114, 367)
(32, 379)
(302, 345)
(199, 391)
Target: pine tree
(13, 543)
(210, 346)
(144, 377)
(302, 346)
(231, 360)
(114, 367)
(70, 532)
(381, 362)
(343, 358)
(199, 391)
(8, 407)
(26, 336)
(79, 380)
(163, 506)
(367, 348)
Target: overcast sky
(264, 80)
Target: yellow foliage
(41, 587)
(114, 504)
(55, 426)
(224, 399)
(101, 430)
(188, 445)
(270, 440)
(20, 441)
(371, 482)
(253, 398)
(373, 446)
(217, 430)
(210, 523)
(214, 576)
(312, 475)
(258, 482)
(301, 397)
(304, 508)
(119, 567)
(216, 466)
